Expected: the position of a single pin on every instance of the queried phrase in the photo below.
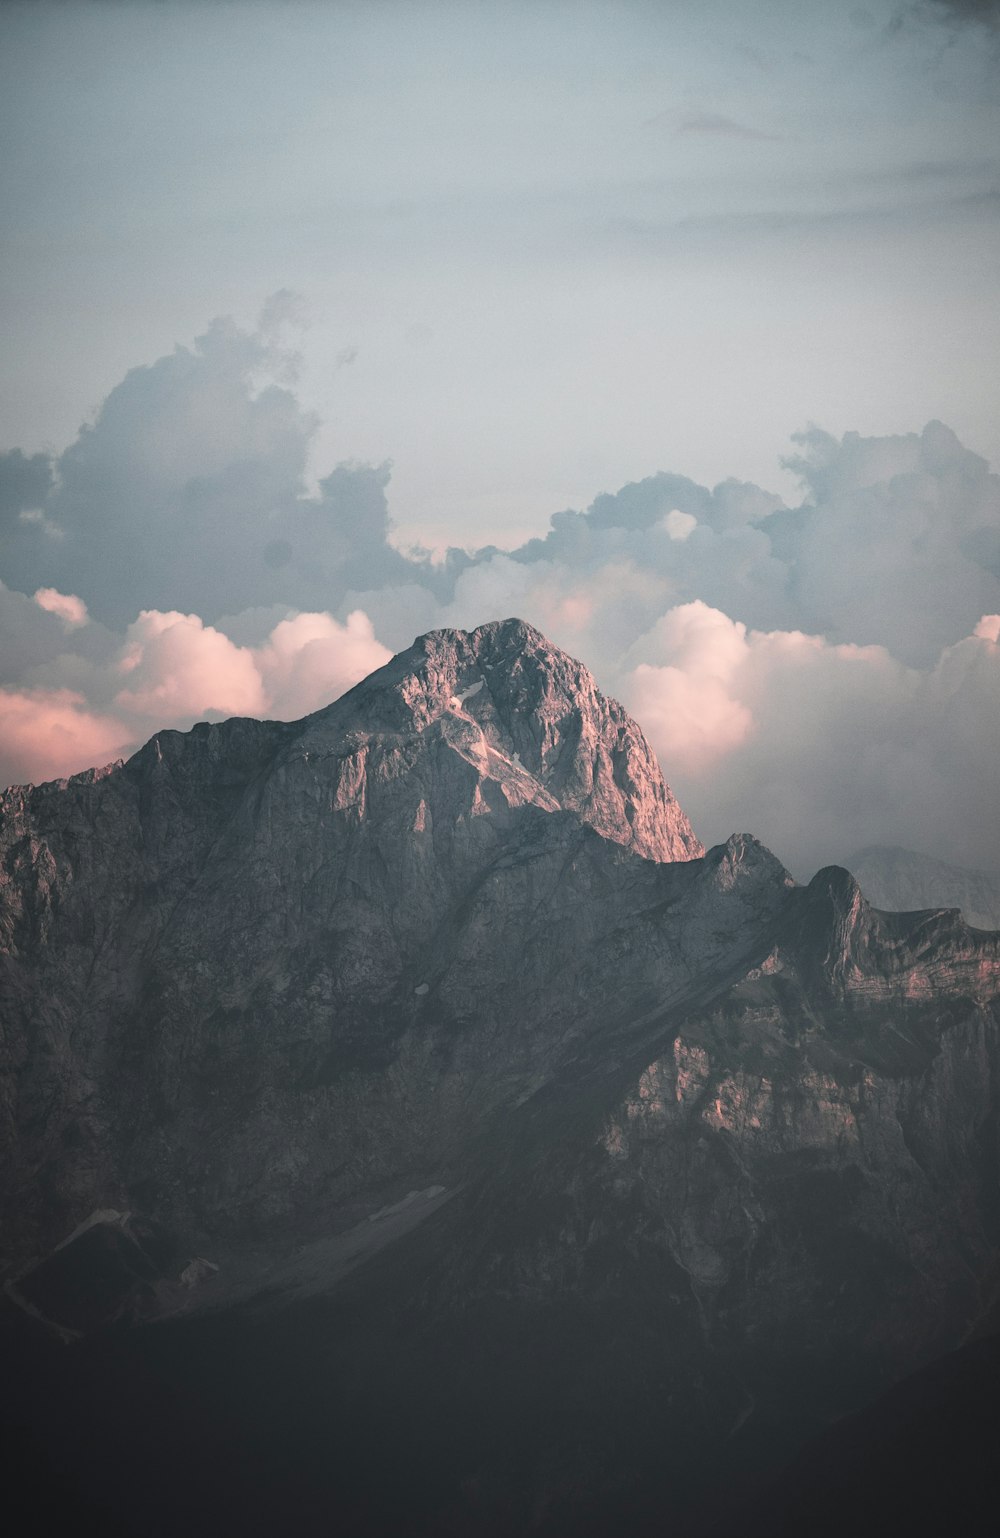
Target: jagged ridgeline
(405, 1098)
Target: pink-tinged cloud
(47, 734)
(691, 720)
(689, 707)
(173, 670)
(822, 748)
(65, 606)
(179, 669)
(311, 659)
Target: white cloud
(179, 668)
(821, 748)
(679, 525)
(172, 669)
(687, 706)
(311, 659)
(66, 606)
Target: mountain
(243, 923)
(921, 1459)
(903, 880)
(408, 1128)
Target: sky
(671, 327)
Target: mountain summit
(520, 721)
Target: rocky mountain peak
(531, 722)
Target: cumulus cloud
(38, 647)
(679, 525)
(177, 667)
(812, 744)
(187, 491)
(823, 674)
(66, 606)
(899, 541)
(688, 706)
(310, 660)
(171, 669)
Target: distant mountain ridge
(903, 881)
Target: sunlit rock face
(433, 1004)
(493, 719)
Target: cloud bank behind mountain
(825, 675)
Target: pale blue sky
(542, 250)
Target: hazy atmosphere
(671, 328)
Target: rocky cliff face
(613, 1163)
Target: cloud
(33, 640)
(177, 668)
(66, 606)
(171, 669)
(187, 493)
(183, 464)
(896, 543)
(175, 488)
(311, 659)
(823, 674)
(687, 706)
(900, 543)
(810, 743)
(47, 733)
(678, 525)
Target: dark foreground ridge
(408, 1128)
